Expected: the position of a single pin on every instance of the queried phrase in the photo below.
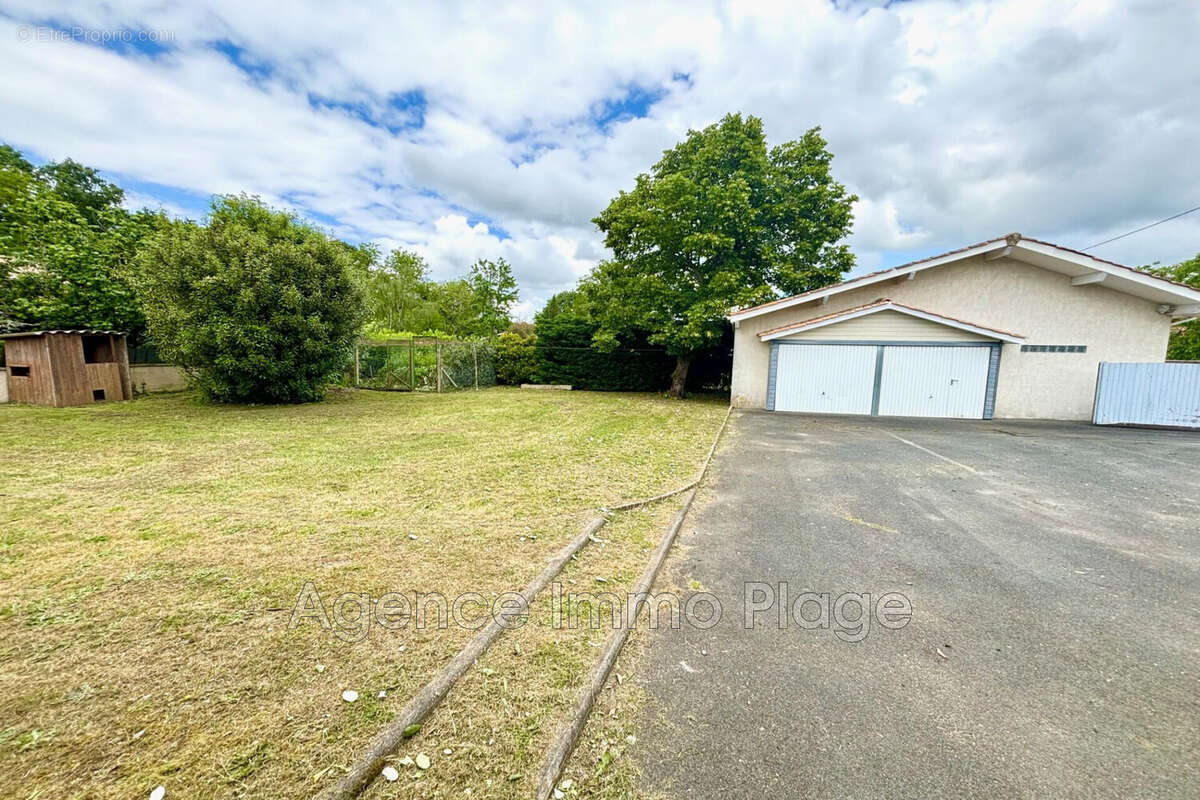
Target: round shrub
(516, 359)
(255, 307)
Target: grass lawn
(151, 553)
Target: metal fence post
(412, 378)
(475, 355)
(439, 365)
(356, 381)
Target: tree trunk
(679, 376)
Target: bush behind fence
(422, 364)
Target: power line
(1144, 227)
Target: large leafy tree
(255, 306)
(720, 221)
(82, 187)
(66, 247)
(1185, 339)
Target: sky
(492, 129)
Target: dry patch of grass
(499, 720)
(605, 763)
(151, 553)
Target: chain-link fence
(424, 365)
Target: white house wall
(889, 326)
(1005, 294)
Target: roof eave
(865, 280)
(1182, 295)
(875, 308)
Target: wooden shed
(67, 368)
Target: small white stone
(390, 774)
(320, 667)
(631, 739)
(349, 695)
(382, 695)
(406, 761)
(158, 793)
(423, 761)
(447, 751)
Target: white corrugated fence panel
(1148, 394)
(825, 379)
(934, 381)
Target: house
(67, 367)
(1010, 327)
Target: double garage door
(888, 380)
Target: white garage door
(889, 380)
(825, 378)
(934, 381)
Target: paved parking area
(1053, 649)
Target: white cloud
(953, 122)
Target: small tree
(255, 307)
(1184, 344)
(720, 221)
(396, 293)
(457, 307)
(495, 291)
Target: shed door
(825, 378)
(934, 381)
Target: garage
(935, 337)
(893, 380)
(885, 359)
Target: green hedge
(565, 355)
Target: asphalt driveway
(1053, 648)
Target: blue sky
(467, 131)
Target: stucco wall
(3, 385)
(891, 326)
(1041, 305)
(156, 378)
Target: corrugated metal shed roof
(84, 331)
